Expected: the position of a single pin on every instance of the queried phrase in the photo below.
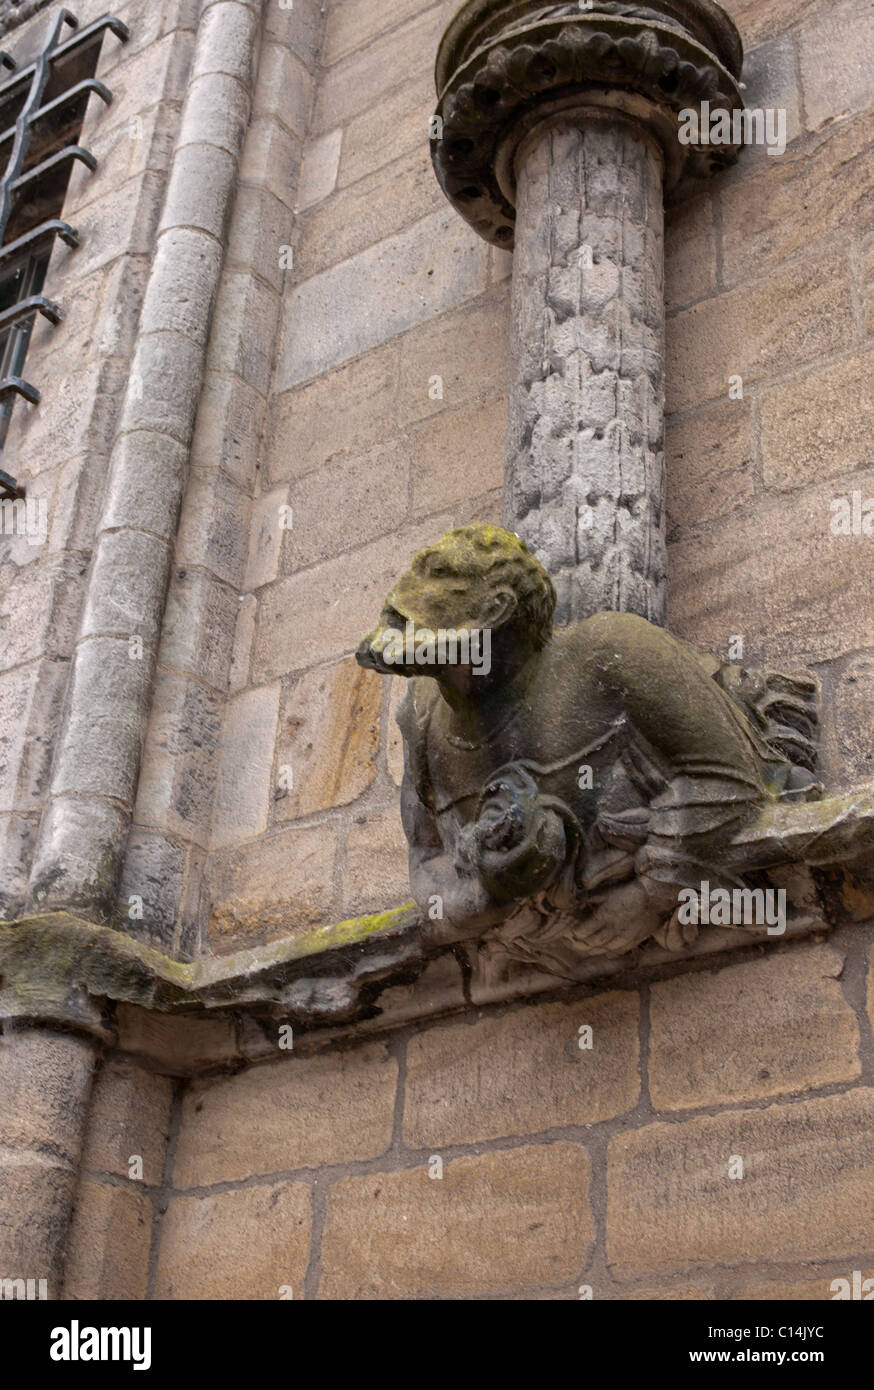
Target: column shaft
(45, 1086)
(585, 447)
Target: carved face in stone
(477, 590)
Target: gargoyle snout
(370, 649)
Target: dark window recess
(42, 107)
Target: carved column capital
(506, 66)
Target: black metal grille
(42, 107)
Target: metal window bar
(24, 260)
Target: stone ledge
(359, 977)
(380, 971)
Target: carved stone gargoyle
(565, 789)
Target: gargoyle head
(475, 603)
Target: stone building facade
(280, 372)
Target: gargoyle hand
(518, 843)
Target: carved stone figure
(569, 783)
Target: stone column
(45, 1086)
(558, 129)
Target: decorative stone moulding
(506, 66)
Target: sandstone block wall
(714, 1142)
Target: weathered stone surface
(396, 126)
(45, 1080)
(34, 1214)
(806, 601)
(807, 1171)
(285, 87)
(376, 875)
(214, 527)
(271, 159)
(74, 517)
(274, 886)
(244, 786)
(765, 1028)
(249, 1243)
(108, 1245)
(116, 601)
(318, 175)
(297, 1113)
(78, 417)
(358, 81)
(758, 21)
(710, 464)
(492, 1223)
(178, 771)
(459, 455)
(328, 737)
(227, 41)
(31, 699)
(229, 421)
(799, 203)
(127, 216)
(836, 70)
(151, 887)
(352, 25)
(351, 500)
(187, 263)
(175, 1044)
(462, 354)
(371, 209)
(132, 499)
(78, 836)
(379, 293)
(244, 636)
(853, 714)
(585, 461)
(522, 1073)
(171, 365)
(197, 634)
(265, 539)
(690, 252)
(437, 990)
(261, 226)
(108, 701)
(300, 27)
(771, 81)
(242, 342)
(789, 1290)
(791, 316)
(17, 840)
(217, 111)
(818, 426)
(306, 428)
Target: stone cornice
(61, 969)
